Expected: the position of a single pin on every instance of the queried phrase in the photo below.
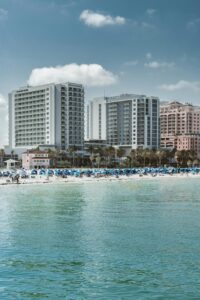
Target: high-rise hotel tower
(127, 120)
(51, 114)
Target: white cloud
(180, 85)
(91, 75)
(150, 12)
(54, 5)
(148, 55)
(131, 63)
(154, 64)
(146, 25)
(3, 14)
(159, 65)
(193, 24)
(2, 101)
(142, 25)
(122, 73)
(63, 8)
(94, 19)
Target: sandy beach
(38, 179)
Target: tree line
(110, 157)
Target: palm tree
(170, 156)
(99, 151)
(144, 155)
(120, 153)
(2, 152)
(128, 161)
(160, 154)
(137, 153)
(178, 157)
(137, 157)
(72, 151)
(109, 152)
(98, 160)
(132, 157)
(192, 154)
(189, 163)
(182, 157)
(195, 162)
(12, 153)
(151, 156)
(91, 149)
(92, 159)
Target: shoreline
(81, 180)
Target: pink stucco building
(189, 142)
(176, 120)
(36, 159)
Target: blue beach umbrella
(33, 172)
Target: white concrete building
(96, 119)
(128, 120)
(51, 114)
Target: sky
(149, 47)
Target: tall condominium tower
(178, 119)
(128, 120)
(96, 119)
(51, 114)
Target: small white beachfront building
(10, 164)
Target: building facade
(96, 119)
(189, 142)
(178, 119)
(51, 114)
(126, 120)
(36, 160)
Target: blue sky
(139, 46)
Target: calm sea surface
(117, 240)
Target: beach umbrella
(33, 172)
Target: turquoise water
(117, 240)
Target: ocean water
(136, 239)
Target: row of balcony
(31, 120)
(22, 101)
(30, 116)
